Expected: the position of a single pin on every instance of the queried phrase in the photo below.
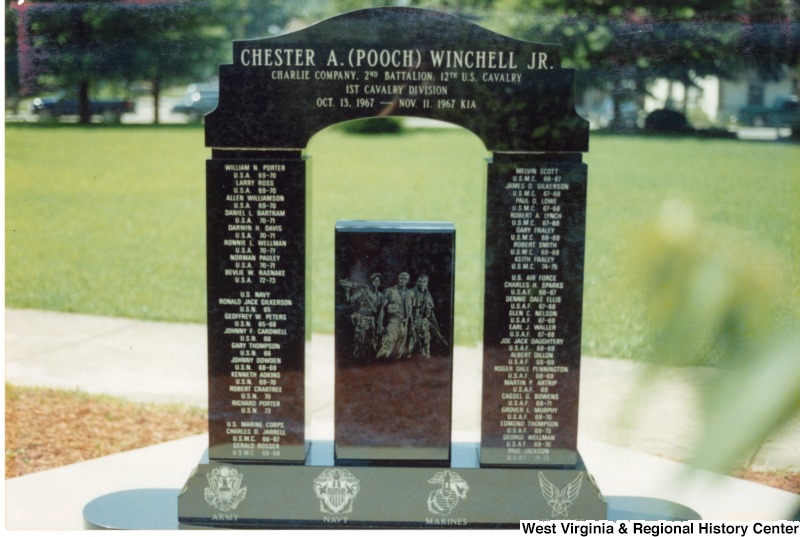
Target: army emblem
(560, 499)
(453, 488)
(224, 490)
(336, 489)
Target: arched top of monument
(281, 90)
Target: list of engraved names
(533, 293)
(255, 313)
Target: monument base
(320, 495)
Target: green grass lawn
(111, 221)
(106, 221)
(745, 198)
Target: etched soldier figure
(398, 336)
(425, 322)
(368, 300)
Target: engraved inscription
(534, 355)
(252, 307)
(254, 210)
(402, 79)
(531, 376)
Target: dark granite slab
(256, 307)
(262, 496)
(396, 62)
(535, 234)
(394, 333)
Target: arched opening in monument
(428, 171)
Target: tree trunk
(668, 102)
(616, 122)
(84, 112)
(685, 98)
(156, 92)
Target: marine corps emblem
(336, 489)
(224, 490)
(453, 488)
(560, 499)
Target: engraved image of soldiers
(398, 336)
(425, 322)
(368, 300)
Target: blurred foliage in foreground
(716, 303)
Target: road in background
(142, 115)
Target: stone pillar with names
(256, 305)
(533, 308)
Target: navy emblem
(336, 489)
(453, 488)
(224, 490)
(560, 499)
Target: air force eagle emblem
(560, 499)
(453, 488)
(336, 489)
(224, 490)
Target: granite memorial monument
(394, 288)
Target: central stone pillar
(394, 333)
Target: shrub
(373, 125)
(667, 121)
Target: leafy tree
(251, 19)
(71, 54)
(12, 58)
(86, 42)
(162, 43)
(769, 39)
(622, 46)
(469, 9)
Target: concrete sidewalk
(138, 360)
(166, 363)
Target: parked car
(64, 104)
(784, 112)
(199, 100)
